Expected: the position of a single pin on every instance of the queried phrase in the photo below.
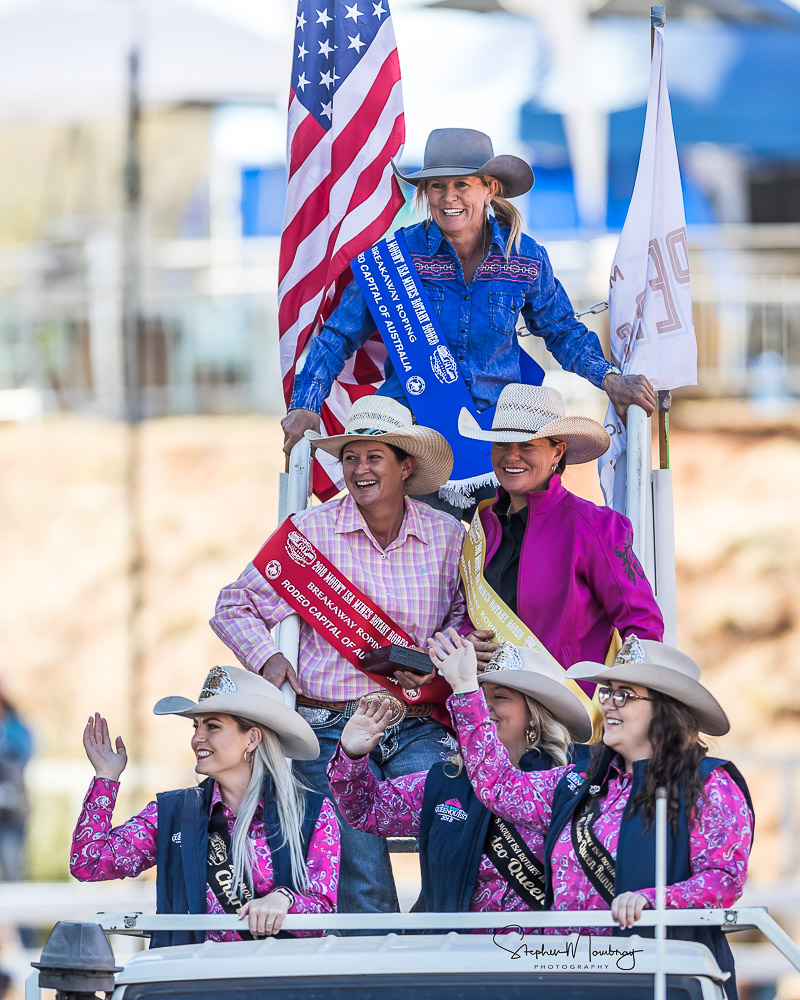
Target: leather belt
(400, 709)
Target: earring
(248, 760)
(530, 736)
(554, 467)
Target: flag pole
(658, 19)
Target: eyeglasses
(618, 698)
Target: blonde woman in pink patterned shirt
(598, 822)
(247, 840)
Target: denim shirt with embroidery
(478, 320)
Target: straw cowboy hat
(663, 668)
(387, 421)
(235, 691)
(528, 412)
(542, 678)
(463, 152)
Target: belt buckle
(398, 706)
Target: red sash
(353, 624)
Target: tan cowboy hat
(663, 668)
(389, 422)
(527, 412)
(543, 679)
(464, 152)
(235, 691)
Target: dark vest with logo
(635, 864)
(451, 840)
(182, 851)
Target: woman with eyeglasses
(598, 822)
(469, 859)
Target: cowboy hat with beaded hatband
(465, 152)
(539, 676)
(663, 668)
(235, 691)
(527, 412)
(384, 419)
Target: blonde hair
(505, 213)
(550, 736)
(269, 758)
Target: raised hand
(455, 658)
(366, 726)
(108, 761)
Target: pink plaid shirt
(99, 852)
(415, 580)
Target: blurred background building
(188, 258)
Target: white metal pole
(638, 483)
(660, 990)
(293, 492)
(664, 541)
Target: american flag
(345, 125)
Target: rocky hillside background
(207, 498)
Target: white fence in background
(208, 341)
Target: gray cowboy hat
(235, 691)
(539, 676)
(381, 418)
(663, 668)
(464, 152)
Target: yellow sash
(488, 611)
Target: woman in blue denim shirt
(480, 272)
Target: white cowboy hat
(387, 421)
(527, 412)
(464, 152)
(235, 691)
(663, 668)
(543, 679)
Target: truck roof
(427, 954)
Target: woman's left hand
(455, 658)
(265, 915)
(627, 908)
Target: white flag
(649, 301)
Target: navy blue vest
(182, 851)
(453, 827)
(635, 865)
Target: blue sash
(433, 382)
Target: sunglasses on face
(618, 698)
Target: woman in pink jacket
(564, 566)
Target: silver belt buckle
(398, 706)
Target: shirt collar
(350, 520)
(216, 797)
(436, 238)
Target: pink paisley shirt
(719, 841)
(99, 852)
(392, 808)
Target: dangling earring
(530, 736)
(554, 467)
(248, 760)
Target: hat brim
(294, 734)
(432, 453)
(513, 172)
(562, 704)
(701, 703)
(585, 438)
